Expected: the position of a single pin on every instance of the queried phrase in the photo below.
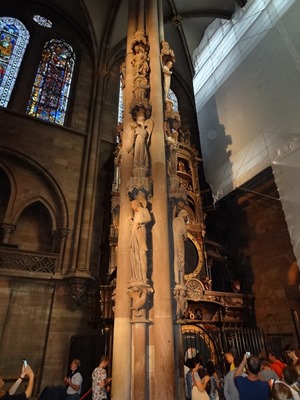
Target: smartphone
(25, 363)
(248, 354)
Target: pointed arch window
(14, 38)
(51, 88)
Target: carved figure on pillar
(140, 88)
(167, 77)
(180, 295)
(167, 60)
(138, 241)
(142, 130)
(172, 142)
(179, 237)
(140, 61)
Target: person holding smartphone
(10, 394)
(250, 387)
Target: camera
(25, 363)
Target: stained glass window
(121, 104)
(51, 88)
(172, 96)
(14, 38)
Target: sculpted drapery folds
(142, 130)
(138, 240)
(167, 59)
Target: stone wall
(251, 223)
(37, 321)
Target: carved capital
(78, 285)
(7, 230)
(139, 293)
(139, 181)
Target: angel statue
(142, 131)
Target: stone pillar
(163, 386)
(63, 234)
(139, 379)
(122, 343)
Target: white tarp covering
(247, 93)
(286, 169)
(247, 86)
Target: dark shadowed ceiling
(104, 22)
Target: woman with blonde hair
(281, 391)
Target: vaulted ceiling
(104, 23)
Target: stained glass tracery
(14, 38)
(51, 88)
(42, 21)
(172, 96)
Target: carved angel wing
(149, 125)
(129, 143)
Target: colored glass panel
(51, 88)
(172, 96)
(14, 38)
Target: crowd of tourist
(248, 378)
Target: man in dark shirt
(250, 387)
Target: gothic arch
(38, 199)
(48, 180)
(35, 228)
(196, 339)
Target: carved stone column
(163, 384)
(122, 343)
